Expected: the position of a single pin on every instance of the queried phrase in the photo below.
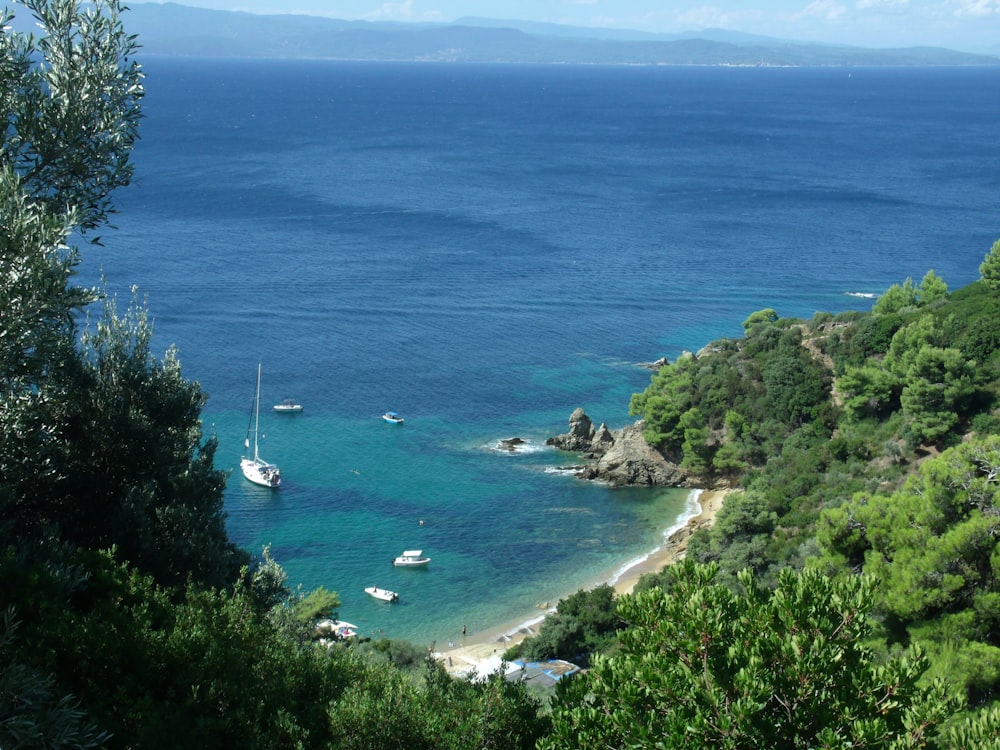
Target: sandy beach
(483, 651)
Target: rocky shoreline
(621, 457)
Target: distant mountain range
(172, 29)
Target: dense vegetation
(861, 447)
(127, 618)
(847, 595)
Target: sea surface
(484, 248)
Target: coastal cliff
(621, 457)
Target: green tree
(868, 391)
(704, 667)
(583, 623)
(932, 288)
(896, 298)
(99, 442)
(130, 467)
(989, 269)
(697, 452)
(767, 315)
(384, 710)
(70, 103)
(72, 106)
(71, 112)
(317, 604)
(30, 713)
(934, 544)
(909, 340)
(664, 401)
(937, 386)
(873, 333)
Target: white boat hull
(383, 594)
(411, 561)
(255, 468)
(261, 473)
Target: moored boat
(255, 468)
(336, 628)
(383, 594)
(287, 406)
(411, 557)
(391, 416)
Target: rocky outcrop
(619, 457)
(581, 434)
(511, 444)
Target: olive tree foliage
(69, 99)
(100, 442)
(705, 667)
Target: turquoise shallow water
(484, 249)
(506, 532)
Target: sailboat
(256, 469)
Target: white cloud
(705, 17)
(674, 21)
(865, 4)
(826, 10)
(977, 8)
(393, 12)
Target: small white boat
(383, 594)
(391, 416)
(255, 468)
(411, 557)
(288, 405)
(336, 628)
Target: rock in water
(620, 457)
(580, 435)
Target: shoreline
(482, 652)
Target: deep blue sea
(484, 248)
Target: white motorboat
(255, 468)
(391, 416)
(383, 594)
(411, 557)
(288, 406)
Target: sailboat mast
(256, 415)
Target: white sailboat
(255, 468)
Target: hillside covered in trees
(847, 596)
(863, 451)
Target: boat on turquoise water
(288, 406)
(255, 468)
(391, 416)
(383, 594)
(336, 628)
(411, 557)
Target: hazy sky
(959, 24)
